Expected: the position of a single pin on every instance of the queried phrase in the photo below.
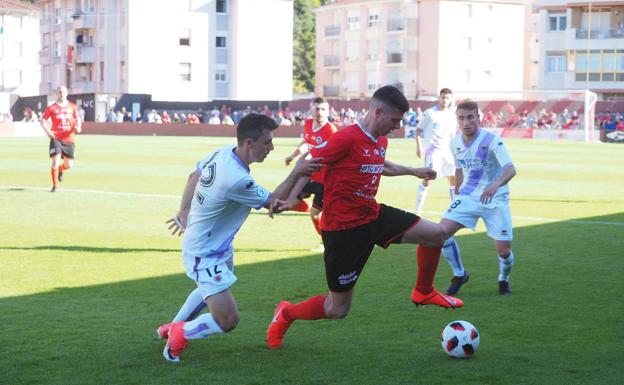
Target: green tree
(304, 41)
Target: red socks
(302, 206)
(427, 259)
(310, 309)
(54, 174)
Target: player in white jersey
(483, 169)
(220, 194)
(437, 128)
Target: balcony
(83, 87)
(332, 31)
(331, 90)
(44, 25)
(331, 60)
(85, 54)
(607, 34)
(394, 58)
(396, 24)
(84, 21)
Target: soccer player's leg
(67, 154)
(215, 289)
(193, 305)
(451, 252)
(55, 158)
(499, 227)
(429, 237)
(346, 253)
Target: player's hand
(426, 173)
(307, 166)
(288, 160)
(488, 193)
(277, 206)
(177, 225)
(51, 135)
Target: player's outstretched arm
(276, 206)
(303, 167)
(178, 223)
(394, 169)
(298, 151)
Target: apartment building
(19, 47)
(582, 46)
(175, 50)
(470, 46)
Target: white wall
(19, 63)
(154, 52)
(261, 50)
(482, 52)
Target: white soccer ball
(460, 339)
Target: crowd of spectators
(543, 119)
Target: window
(372, 81)
(185, 72)
(373, 50)
(185, 36)
(373, 20)
(16, 49)
(12, 78)
(221, 42)
(353, 50)
(220, 76)
(555, 64)
(57, 48)
(466, 10)
(353, 22)
(557, 21)
(221, 6)
(101, 71)
(57, 16)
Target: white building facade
(582, 46)
(176, 50)
(473, 46)
(19, 49)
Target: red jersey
(64, 120)
(315, 138)
(354, 162)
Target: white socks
(452, 193)
(504, 266)
(420, 198)
(451, 252)
(201, 327)
(193, 305)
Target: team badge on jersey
(383, 152)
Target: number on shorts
(215, 271)
(455, 204)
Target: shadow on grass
(105, 334)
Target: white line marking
(166, 196)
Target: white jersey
(482, 162)
(223, 199)
(438, 127)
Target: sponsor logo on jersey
(383, 152)
(208, 175)
(319, 140)
(366, 152)
(372, 168)
(199, 197)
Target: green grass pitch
(89, 272)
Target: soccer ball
(460, 339)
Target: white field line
(166, 196)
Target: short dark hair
(468, 104)
(252, 126)
(319, 100)
(446, 91)
(390, 96)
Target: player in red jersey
(66, 122)
(316, 131)
(353, 222)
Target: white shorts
(497, 218)
(441, 161)
(214, 278)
